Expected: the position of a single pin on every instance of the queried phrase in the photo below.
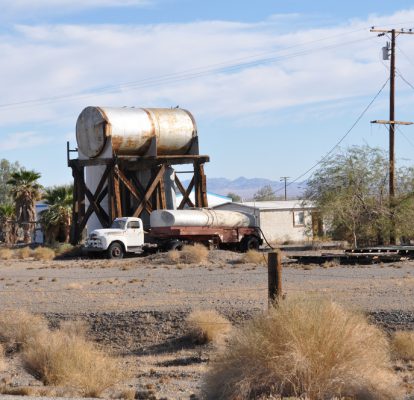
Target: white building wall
(279, 225)
(280, 222)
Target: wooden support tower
(127, 195)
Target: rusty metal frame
(119, 182)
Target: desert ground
(136, 308)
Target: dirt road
(136, 307)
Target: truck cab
(126, 235)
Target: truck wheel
(249, 243)
(115, 251)
(175, 245)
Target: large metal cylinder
(202, 217)
(131, 131)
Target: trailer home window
(298, 218)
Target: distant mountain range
(246, 187)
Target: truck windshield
(118, 224)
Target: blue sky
(300, 74)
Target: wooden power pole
(285, 178)
(391, 122)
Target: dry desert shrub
(18, 326)
(253, 257)
(43, 254)
(68, 359)
(206, 326)
(173, 256)
(6, 254)
(63, 250)
(23, 253)
(311, 349)
(193, 254)
(402, 345)
(2, 361)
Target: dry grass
(206, 326)
(253, 257)
(6, 254)
(2, 361)
(402, 345)
(24, 252)
(305, 348)
(18, 326)
(68, 359)
(173, 256)
(43, 254)
(330, 264)
(74, 286)
(127, 394)
(63, 250)
(194, 254)
(16, 391)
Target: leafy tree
(25, 190)
(266, 193)
(6, 169)
(234, 197)
(351, 191)
(56, 219)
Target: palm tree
(25, 191)
(56, 219)
(7, 233)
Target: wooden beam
(91, 209)
(150, 191)
(203, 187)
(186, 196)
(137, 192)
(117, 194)
(99, 211)
(161, 192)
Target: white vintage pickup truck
(170, 229)
(126, 235)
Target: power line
(340, 140)
(224, 67)
(405, 80)
(404, 136)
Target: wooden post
(274, 271)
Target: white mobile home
(280, 221)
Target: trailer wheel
(115, 251)
(175, 245)
(249, 243)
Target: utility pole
(391, 193)
(285, 178)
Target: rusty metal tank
(132, 131)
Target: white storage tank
(201, 217)
(102, 132)
(131, 131)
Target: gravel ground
(136, 307)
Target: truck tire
(249, 243)
(115, 251)
(175, 245)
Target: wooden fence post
(274, 273)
